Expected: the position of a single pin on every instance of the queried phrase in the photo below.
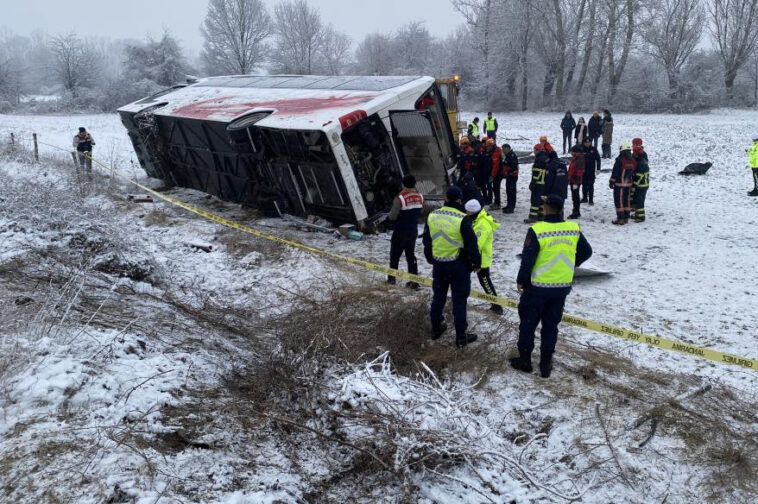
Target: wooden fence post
(36, 149)
(13, 139)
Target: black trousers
(496, 189)
(576, 199)
(492, 134)
(536, 308)
(535, 210)
(638, 202)
(606, 151)
(454, 276)
(486, 281)
(510, 192)
(486, 188)
(404, 242)
(588, 186)
(595, 141)
(755, 178)
(566, 138)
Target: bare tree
(672, 33)
(74, 63)
(299, 37)
(734, 27)
(412, 45)
(618, 16)
(235, 34)
(479, 16)
(374, 55)
(335, 51)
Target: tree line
(643, 55)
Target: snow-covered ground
(95, 404)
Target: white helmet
(625, 146)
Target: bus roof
(301, 102)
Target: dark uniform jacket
(556, 179)
(592, 162)
(595, 126)
(510, 165)
(641, 177)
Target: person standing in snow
(556, 176)
(473, 130)
(450, 246)
(595, 127)
(607, 134)
(592, 163)
(537, 184)
(83, 143)
(621, 183)
(580, 133)
(405, 212)
(484, 228)
(466, 158)
(488, 161)
(575, 178)
(567, 127)
(552, 250)
(496, 156)
(510, 173)
(640, 181)
(753, 163)
(490, 126)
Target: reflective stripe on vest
(475, 129)
(445, 230)
(490, 124)
(556, 260)
(411, 201)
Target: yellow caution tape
(617, 332)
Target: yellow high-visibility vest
(556, 260)
(490, 124)
(753, 153)
(445, 230)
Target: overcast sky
(136, 18)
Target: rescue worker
(473, 129)
(537, 184)
(405, 212)
(450, 246)
(595, 127)
(466, 158)
(592, 164)
(556, 177)
(510, 173)
(543, 145)
(575, 177)
(490, 126)
(552, 250)
(468, 187)
(486, 163)
(496, 157)
(640, 181)
(83, 143)
(484, 228)
(621, 183)
(753, 163)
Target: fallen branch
(622, 473)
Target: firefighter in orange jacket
(621, 183)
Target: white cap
(755, 136)
(473, 206)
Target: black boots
(523, 362)
(575, 215)
(497, 309)
(754, 192)
(546, 365)
(438, 332)
(463, 339)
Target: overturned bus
(336, 147)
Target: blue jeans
(456, 276)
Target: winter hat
(454, 193)
(636, 142)
(554, 200)
(543, 138)
(473, 206)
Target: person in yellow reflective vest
(490, 126)
(450, 246)
(552, 250)
(753, 160)
(484, 228)
(473, 130)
